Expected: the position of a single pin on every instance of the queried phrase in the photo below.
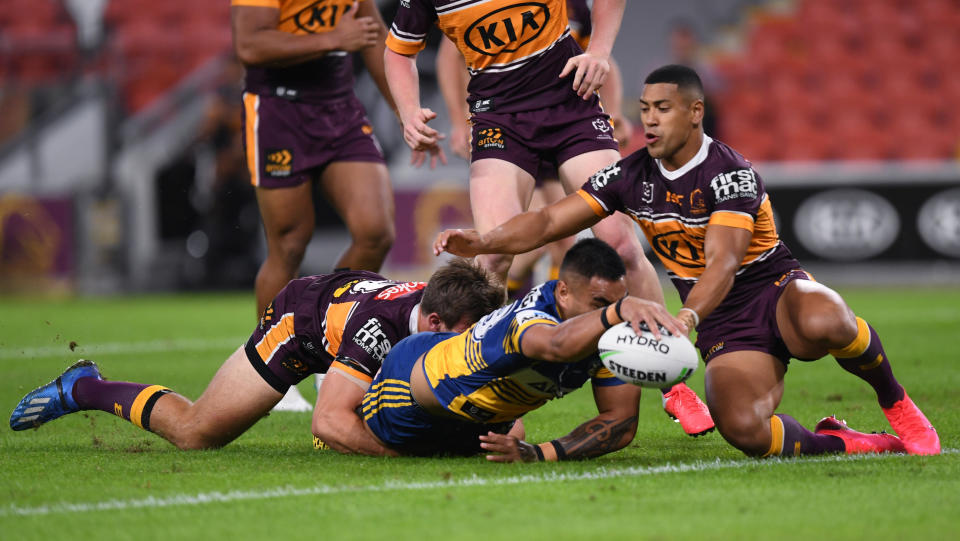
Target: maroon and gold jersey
(326, 78)
(675, 208)
(348, 319)
(514, 49)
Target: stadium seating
(845, 79)
(149, 46)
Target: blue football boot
(53, 400)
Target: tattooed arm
(609, 431)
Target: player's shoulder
(624, 168)
(540, 298)
(722, 158)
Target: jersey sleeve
(604, 191)
(736, 194)
(367, 340)
(525, 319)
(408, 33)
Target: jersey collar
(414, 317)
(697, 160)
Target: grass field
(94, 476)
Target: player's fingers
(578, 78)
(584, 72)
(427, 131)
(416, 158)
(427, 114)
(599, 77)
(568, 67)
(441, 155)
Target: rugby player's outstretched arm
(453, 78)
(336, 422)
(404, 81)
(373, 56)
(611, 430)
(577, 337)
(592, 67)
(523, 232)
(724, 247)
(257, 41)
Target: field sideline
(92, 475)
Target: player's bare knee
(828, 328)
(289, 249)
(374, 238)
(745, 432)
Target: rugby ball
(645, 361)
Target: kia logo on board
(846, 225)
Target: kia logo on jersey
(507, 29)
(321, 16)
(671, 245)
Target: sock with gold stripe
(131, 401)
(790, 438)
(865, 358)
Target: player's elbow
(248, 51)
(323, 427)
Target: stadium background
(121, 168)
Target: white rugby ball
(645, 361)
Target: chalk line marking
(601, 473)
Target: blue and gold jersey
(483, 376)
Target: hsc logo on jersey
(321, 16)
(734, 185)
(507, 29)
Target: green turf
(271, 483)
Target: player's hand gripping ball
(645, 361)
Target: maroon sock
(131, 401)
(865, 358)
(790, 438)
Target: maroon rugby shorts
(552, 134)
(752, 326)
(288, 142)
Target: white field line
(388, 486)
(124, 348)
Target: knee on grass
(746, 432)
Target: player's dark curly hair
(685, 78)
(592, 257)
(461, 289)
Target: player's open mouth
(651, 138)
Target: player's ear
(697, 112)
(563, 290)
(434, 323)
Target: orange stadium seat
(831, 82)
